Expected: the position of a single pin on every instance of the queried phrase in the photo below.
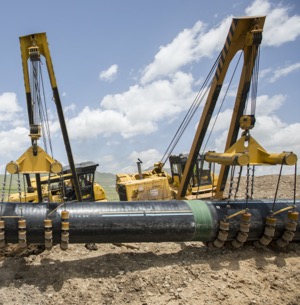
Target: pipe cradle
(140, 221)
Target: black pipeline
(148, 221)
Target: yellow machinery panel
(147, 189)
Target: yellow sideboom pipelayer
(245, 34)
(215, 222)
(32, 46)
(73, 182)
(190, 179)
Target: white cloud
(70, 108)
(9, 103)
(141, 108)
(222, 121)
(171, 57)
(14, 141)
(275, 133)
(280, 27)
(55, 129)
(149, 157)
(9, 107)
(264, 73)
(258, 8)
(112, 143)
(272, 75)
(192, 44)
(155, 101)
(281, 72)
(109, 74)
(266, 105)
(188, 46)
(90, 123)
(136, 111)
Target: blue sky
(127, 71)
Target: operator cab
(201, 178)
(86, 176)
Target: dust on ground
(155, 273)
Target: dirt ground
(153, 273)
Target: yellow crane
(52, 182)
(245, 35)
(192, 176)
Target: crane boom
(33, 45)
(245, 34)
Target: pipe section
(148, 221)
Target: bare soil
(153, 273)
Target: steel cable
(189, 115)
